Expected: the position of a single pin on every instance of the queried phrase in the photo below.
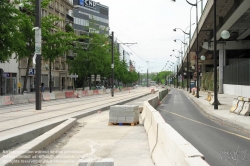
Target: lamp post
(38, 54)
(184, 49)
(112, 65)
(147, 72)
(197, 44)
(215, 61)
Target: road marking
(238, 135)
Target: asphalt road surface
(221, 145)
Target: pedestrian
(42, 84)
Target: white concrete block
(239, 107)
(196, 161)
(148, 118)
(96, 162)
(246, 109)
(121, 119)
(153, 131)
(113, 119)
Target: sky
(150, 24)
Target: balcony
(70, 18)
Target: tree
(55, 42)
(8, 29)
(93, 60)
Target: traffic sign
(31, 71)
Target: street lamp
(203, 57)
(180, 40)
(225, 34)
(197, 43)
(38, 54)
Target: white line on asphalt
(238, 135)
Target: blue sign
(81, 2)
(31, 71)
(6, 74)
(88, 3)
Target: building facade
(90, 16)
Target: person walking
(42, 86)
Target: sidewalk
(222, 115)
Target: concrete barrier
(154, 102)
(20, 99)
(46, 96)
(78, 93)
(239, 107)
(70, 95)
(96, 92)
(153, 130)
(144, 111)
(52, 96)
(234, 105)
(208, 96)
(212, 100)
(173, 148)
(246, 109)
(167, 146)
(31, 98)
(148, 118)
(1, 100)
(108, 91)
(60, 95)
(7, 100)
(90, 92)
(162, 94)
(85, 93)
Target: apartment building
(59, 69)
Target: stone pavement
(222, 115)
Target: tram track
(87, 106)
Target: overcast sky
(150, 24)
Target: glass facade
(94, 18)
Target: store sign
(88, 3)
(6, 75)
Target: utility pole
(177, 77)
(38, 36)
(147, 73)
(112, 65)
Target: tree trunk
(50, 77)
(89, 82)
(27, 73)
(95, 80)
(83, 82)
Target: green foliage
(68, 28)
(208, 81)
(160, 77)
(55, 41)
(8, 29)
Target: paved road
(221, 145)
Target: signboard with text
(88, 3)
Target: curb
(24, 136)
(221, 120)
(31, 148)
